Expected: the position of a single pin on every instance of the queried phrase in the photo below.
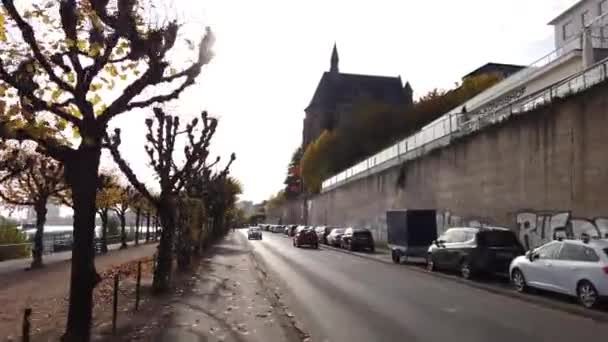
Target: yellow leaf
(61, 124)
(81, 45)
(75, 112)
(123, 77)
(3, 90)
(101, 109)
(71, 77)
(70, 43)
(96, 99)
(2, 27)
(75, 132)
(56, 94)
(95, 50)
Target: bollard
(25, 337)
(115, 307)
(137, 286)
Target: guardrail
(453, 125)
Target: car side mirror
(531, 256)
(439, 242)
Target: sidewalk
(46, 292)
(12, 265)
(225, 301)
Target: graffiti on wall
(446, 219)
(536, 228)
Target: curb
(528, 298)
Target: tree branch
(28, 36)
(112, 144)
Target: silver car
(572, 267)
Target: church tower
(334, 60)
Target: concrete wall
(543, 174)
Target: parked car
(572, 267)
(357, 238)
(334, 237)
(292, 230)
(306, 236)
(322, 232)
(410, 232)
(254, 233)
(473, 251)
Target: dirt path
(46, 292)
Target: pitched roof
(566, 12)
(335, 88)
(507, 69)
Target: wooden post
(25, 331)
(137, 286)
(115, 304)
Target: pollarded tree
(121, 207)
(77, 64)
(172, 178)
(107, 196)
(35, 179)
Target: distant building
(498, 69)
(247, 207)
(570, 22)
(52, 213)
(332, 102)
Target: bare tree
(55, 83)
(172, 178)
(33, 180)
(121, 207)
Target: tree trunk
(147, 227)
(137, 215)
(40, 209)
(164, 261)
(81, 174)
(104, 230)
(123, 231)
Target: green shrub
(13, 243)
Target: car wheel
(587, 294)
(316, 246)
(465, 269)
(430, 264)
(372, 249)
(396, 257)
(351, 247)
(519, 281)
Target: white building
(569, 23)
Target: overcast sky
(270, 56)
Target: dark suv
(473, 251)
(357, 238)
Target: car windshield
(338, 231)
(362, 233)
(498, 238)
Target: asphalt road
(341, 297)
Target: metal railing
(455, 123)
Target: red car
(306, 236)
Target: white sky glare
(270, 55)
